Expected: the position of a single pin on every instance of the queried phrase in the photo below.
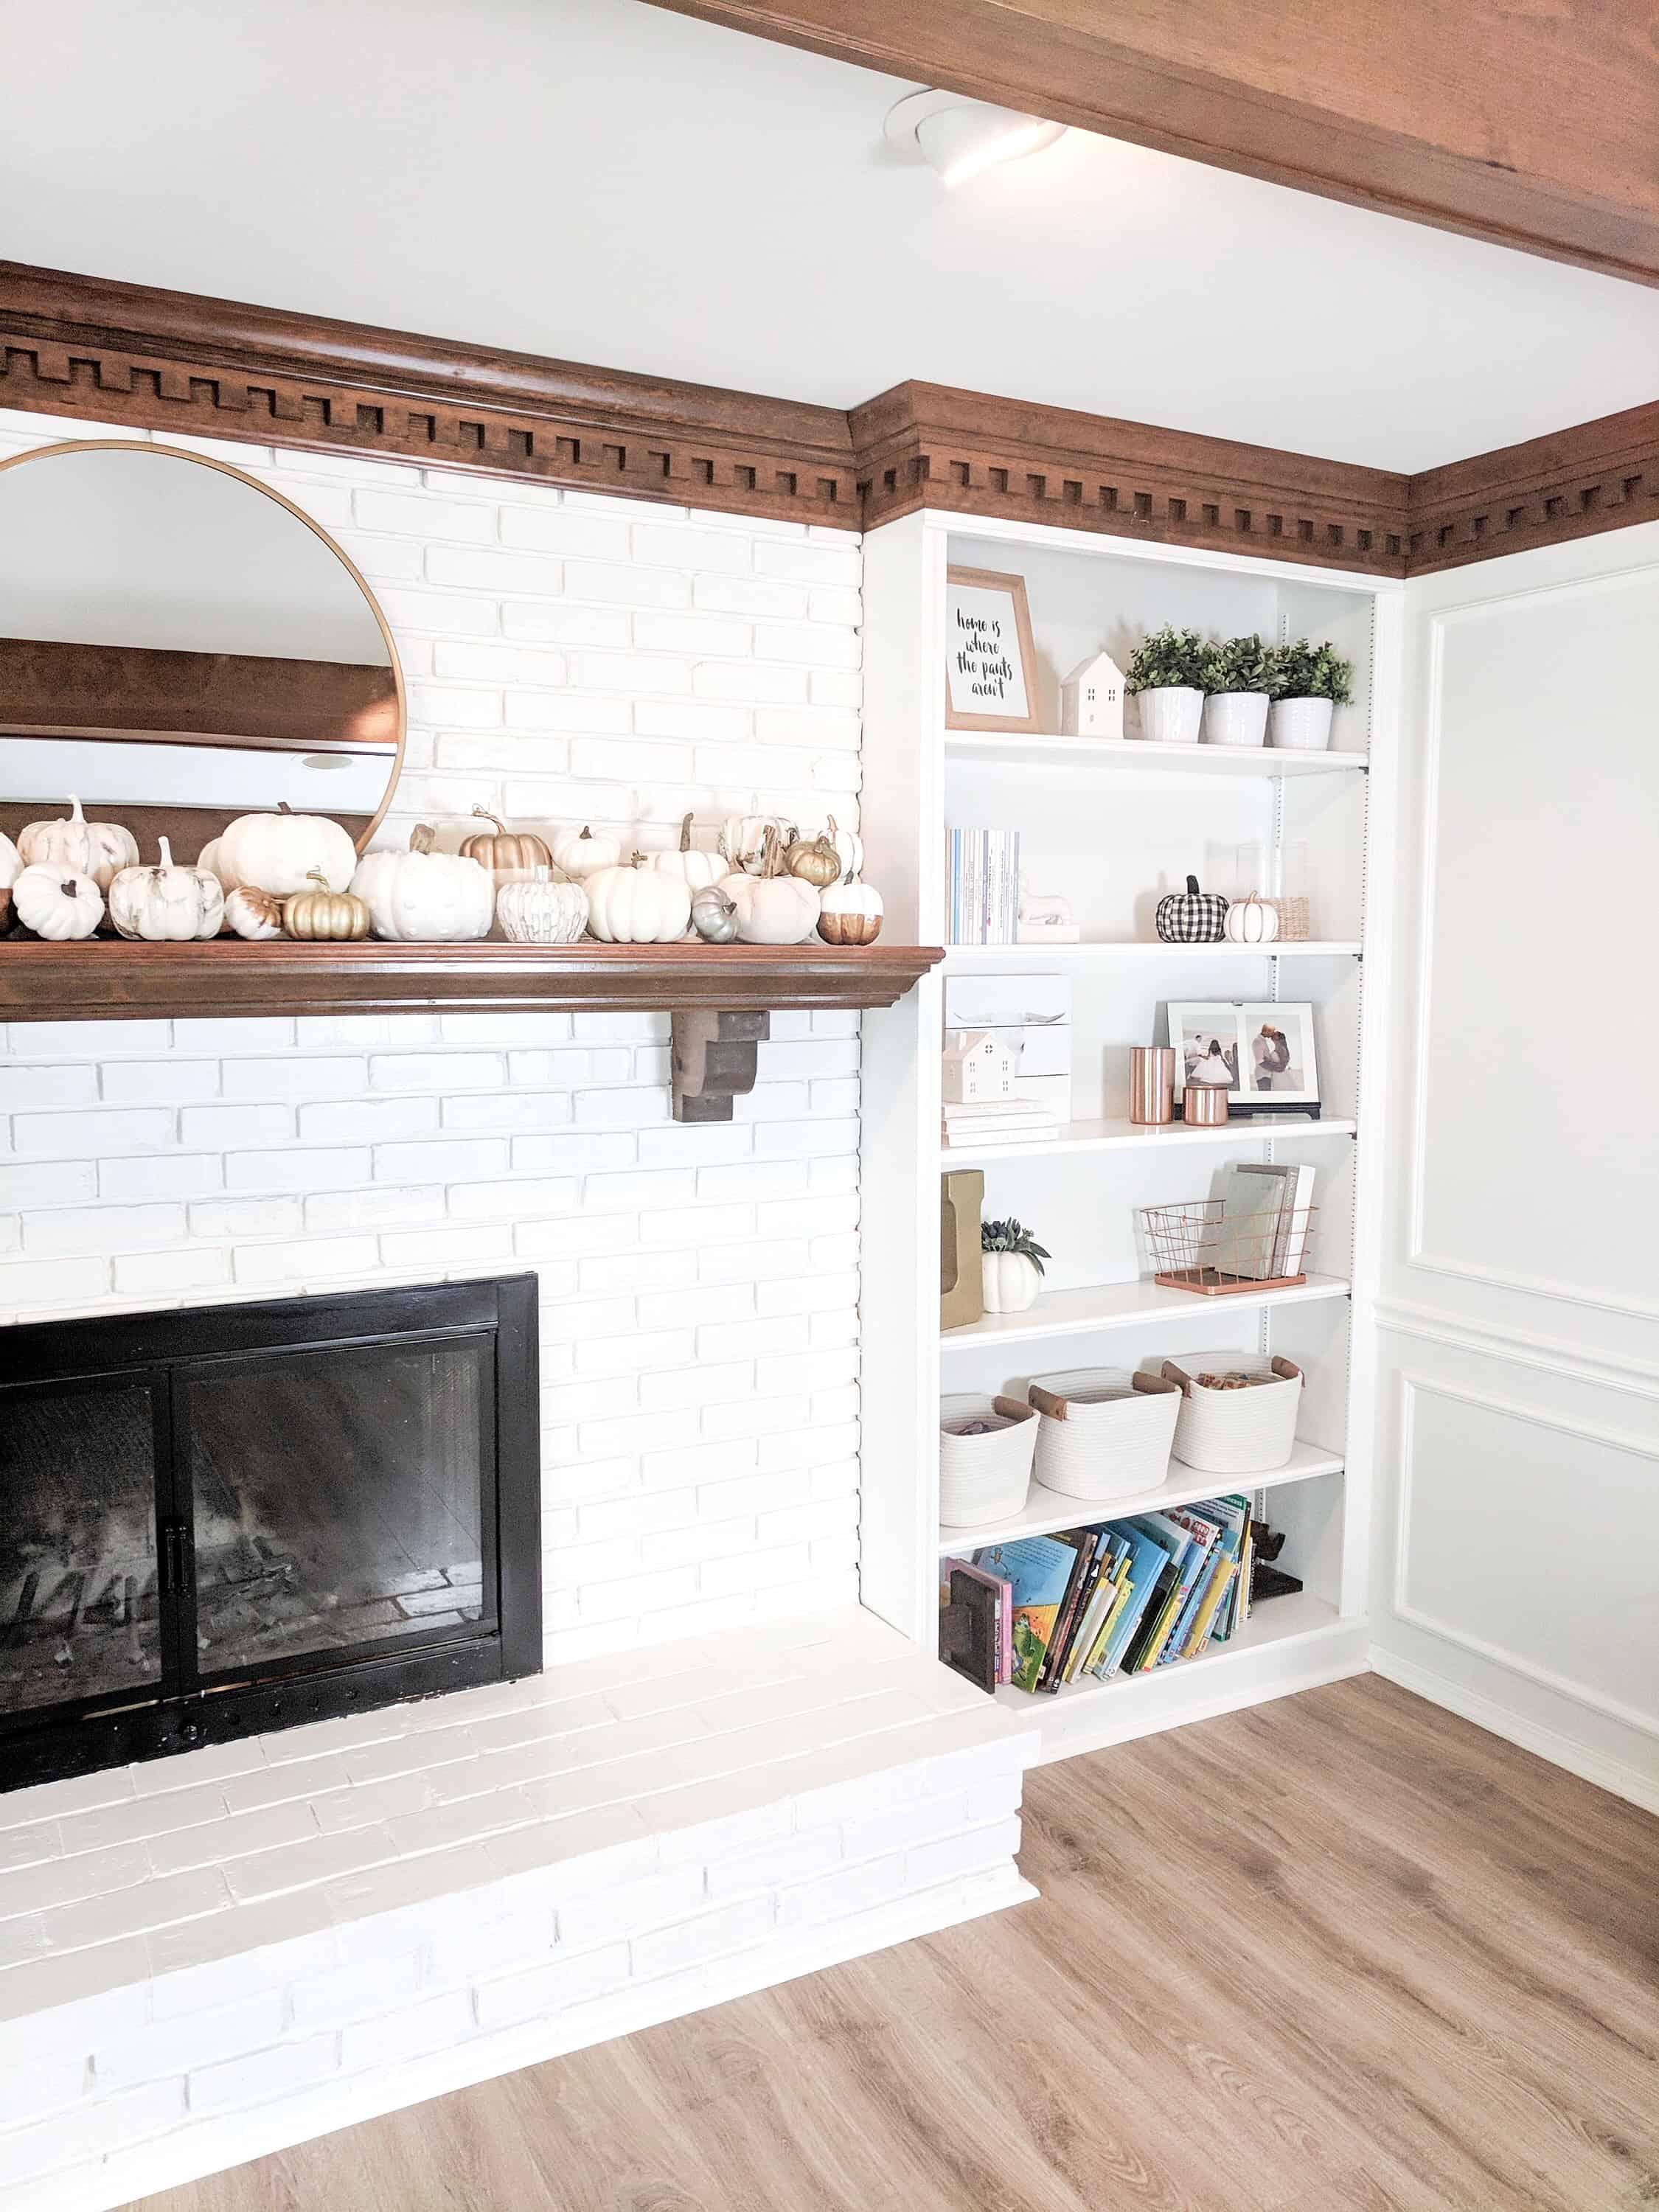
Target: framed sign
(990, 665)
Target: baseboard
(1522, 1729)
(212, 2147)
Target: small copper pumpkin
(512, 856)
(324, 915)
(815, 860)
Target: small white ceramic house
(1091, 699)
(978, 1066)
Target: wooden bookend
(960, 1274)
(967, 1631)
(715, 1062)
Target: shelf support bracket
(714, 1061)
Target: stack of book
(1000, 1121)
(1121, 1597)
(981, 886)
(1264, 1220)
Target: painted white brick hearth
(570, 659)
(212, 1956)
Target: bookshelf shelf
(1278, 1621)
(1135, 753)
(968, 956)
(1122, 1136)
(1127, 1305)
(1109, 826)
(1047, 1510)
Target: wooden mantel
(721, 997)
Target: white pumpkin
(11, 866)
(542, 912)
(1251, 920)
(256, 915)
(280, 853)
(166, 902)
(582, 852)
(773, 909)
(637, 906)
(697, 871)
(58, 902)
(424, 897)
(743, 839)
(850, 846)
(1011, 1282)
(208, 857)
(98, 849)
(849, 914)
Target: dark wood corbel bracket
(714, 1060)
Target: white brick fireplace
(213, 1954)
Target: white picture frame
(1208, 1037)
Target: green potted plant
(1166, 676)
(1307, 682)
(1236, 694)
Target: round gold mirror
(179, 645)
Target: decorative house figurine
(978, 1066)
(1091, 699)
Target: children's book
(1205, 1531)
(1096, 1603)
(1088, 1543)
(1148, 1558)
(1174, 1586)
(1038, 1571)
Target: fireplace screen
(223, 1520)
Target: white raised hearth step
(208, 1957)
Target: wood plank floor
(1342, 1954)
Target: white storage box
(1237, 1431)
(1003, 1002)
(1103, 1432)
(983, 1478)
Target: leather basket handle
(1045, 1401)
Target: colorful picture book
(1119, 1597)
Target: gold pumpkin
(815, 860)
(324, 915)
(512, 856)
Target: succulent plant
(1241, 664)
(1169, 657)
(1302, 671)
(1010, 1236)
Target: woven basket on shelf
(1237, 1431)
(1295, 921)
(1104, 1432)
(985, 1476)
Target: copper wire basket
(1194, 1249)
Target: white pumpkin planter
(280, 853)
(1251, 920)
(423, 897)
(850, 913)
(166, 904)
(98, 849)
(743, 839)
(542, 912)
(697, 871)
(57, 902)
(581, 853)
(637, 906)
(1011, 1282)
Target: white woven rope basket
(1237, 1431)
(984, 1477)
(1104, 1432)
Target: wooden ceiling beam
(1533, 126)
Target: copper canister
(1204, 1105)
(1151, 1083)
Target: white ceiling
(603, 181)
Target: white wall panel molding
(1414, 1386)
(1517, 1348)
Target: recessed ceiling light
(958, 138)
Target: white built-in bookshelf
(1111, 825)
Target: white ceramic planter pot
(1011, 1282)
(1301, 726)
(1171, 714)
(1236, 718)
